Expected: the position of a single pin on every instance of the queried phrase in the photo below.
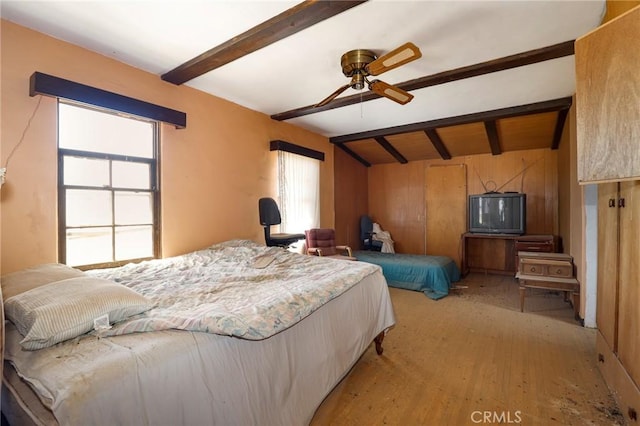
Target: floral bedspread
(221, 290)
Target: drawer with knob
(532, 267)
(562, 269)
(557, 265)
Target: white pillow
(65, 309)
(21, 281)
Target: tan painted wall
(212, 172)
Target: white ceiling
(304, 68)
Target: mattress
(190, 378)
(432, 275)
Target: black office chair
(270, 215)
(366, 235)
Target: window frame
(154, 189)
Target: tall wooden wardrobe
(608, 132)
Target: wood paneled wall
(618, 7)
(351, 198)
(397, 203)
(397, 196)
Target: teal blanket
(431, 275)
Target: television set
(498, 213)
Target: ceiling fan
(360, 63)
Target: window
(299, 192)
(107, 187)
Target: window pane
(86, 172)
(88, 245)
(116, 213)
(134, 242)
(88, 207)
(299, 192)
(133, 208)
(130, 175)
(89, 130)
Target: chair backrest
(322, 238)
(269, 212)
(366, 227)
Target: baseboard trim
(621, 385)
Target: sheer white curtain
(299, 192)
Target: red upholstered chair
(322, 242)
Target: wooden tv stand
(498, 253)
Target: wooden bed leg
(378, 339)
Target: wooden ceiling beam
(557, 134)
(354, 155)
(436, 140)
(507, 62)
(289, 22)
(390, 149)
(492, 134)
(516, 111)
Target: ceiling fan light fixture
(357, 81)
(360, 63)
(355, 61)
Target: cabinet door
(629, 278)
(607, 309)
(607, 98)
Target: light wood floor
(474, 354)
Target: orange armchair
(322, 242)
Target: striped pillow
(65, 309)
(21, 281)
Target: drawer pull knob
(612, 202)
(559, 271)
(533, 269)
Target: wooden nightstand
(537, 243)
(552, 271)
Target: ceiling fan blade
(332, 96)
(391, 92)
(406, 53)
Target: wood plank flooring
(474, 358)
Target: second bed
(432, 275)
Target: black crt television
(498, 213)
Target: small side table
(551, 271)
(568, 285)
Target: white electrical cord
(3, 170)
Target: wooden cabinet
(607, 99)
(628, 279)
(618, 305)
(607, 293)
(498, 253)
(536, 243)
(608, 133)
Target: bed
(236, 357)
(432, 275)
